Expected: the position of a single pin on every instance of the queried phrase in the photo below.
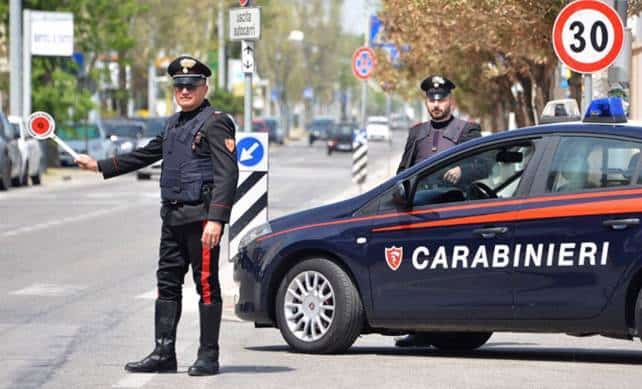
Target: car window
(584, 163)
(494, 173)
(131, 130)
(154, 127)
(78, 132)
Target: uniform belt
(178, 204)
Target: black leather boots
(207, 361)
(163, 358)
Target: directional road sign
(245, 24)
(252, 151)
(588, 35)
(364, 61)
(247, 56)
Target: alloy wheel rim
(309, 306)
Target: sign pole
(247, 117)
(587, 91)
(364, 88)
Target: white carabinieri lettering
(528, 255)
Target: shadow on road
(518, 352)
(254, 369)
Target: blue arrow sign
(249, 151)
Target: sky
(354, 11)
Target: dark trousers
(181, 247)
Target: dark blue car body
(573, 295)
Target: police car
(540, 234)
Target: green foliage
(226, 102)
(60, 95)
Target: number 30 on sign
(588, 36)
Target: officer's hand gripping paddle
(41, 126)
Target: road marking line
(72, 219)
(49, 290)
(137, 380)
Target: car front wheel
(318, 308)
(459, 341)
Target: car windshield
(78, 132)
(380, 122)
(323, 125)
(272, 124)
(154, 127)
(343, 130)
(131, 130)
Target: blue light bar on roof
(605, 110)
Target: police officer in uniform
(198, 183)
(441, 132)
(428, 138)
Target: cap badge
(438, 80)
(186, 64)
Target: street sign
(247, 56)
(41, 126)
(588, 35)
(251, 151)
(364, 61)
(245, 24)
(244, 3)
(52, 33)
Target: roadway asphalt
(77, 285)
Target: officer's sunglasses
(189, 87)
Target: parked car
(399, 121)
(542, 234)
(30, 151)
(341, 137)
(12, 159)
(318, 128)
(378, 128)
(271, 126)
(153, 128)
(84, 138)
(124, 133)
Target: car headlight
(255, 233)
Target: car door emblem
(394, 256)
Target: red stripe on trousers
(206, 292)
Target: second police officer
(441, 132)
(198, 183)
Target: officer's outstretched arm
(222, 143)
(125, 163)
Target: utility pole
(15, 57)
(620, 70)
(221, 47)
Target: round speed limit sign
(588, 36)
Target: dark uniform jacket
(215, 139)
(455, 131)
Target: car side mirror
(400, 196)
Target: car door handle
(490, 232)
(621, 224)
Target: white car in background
(378, 128)
(31, 152)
